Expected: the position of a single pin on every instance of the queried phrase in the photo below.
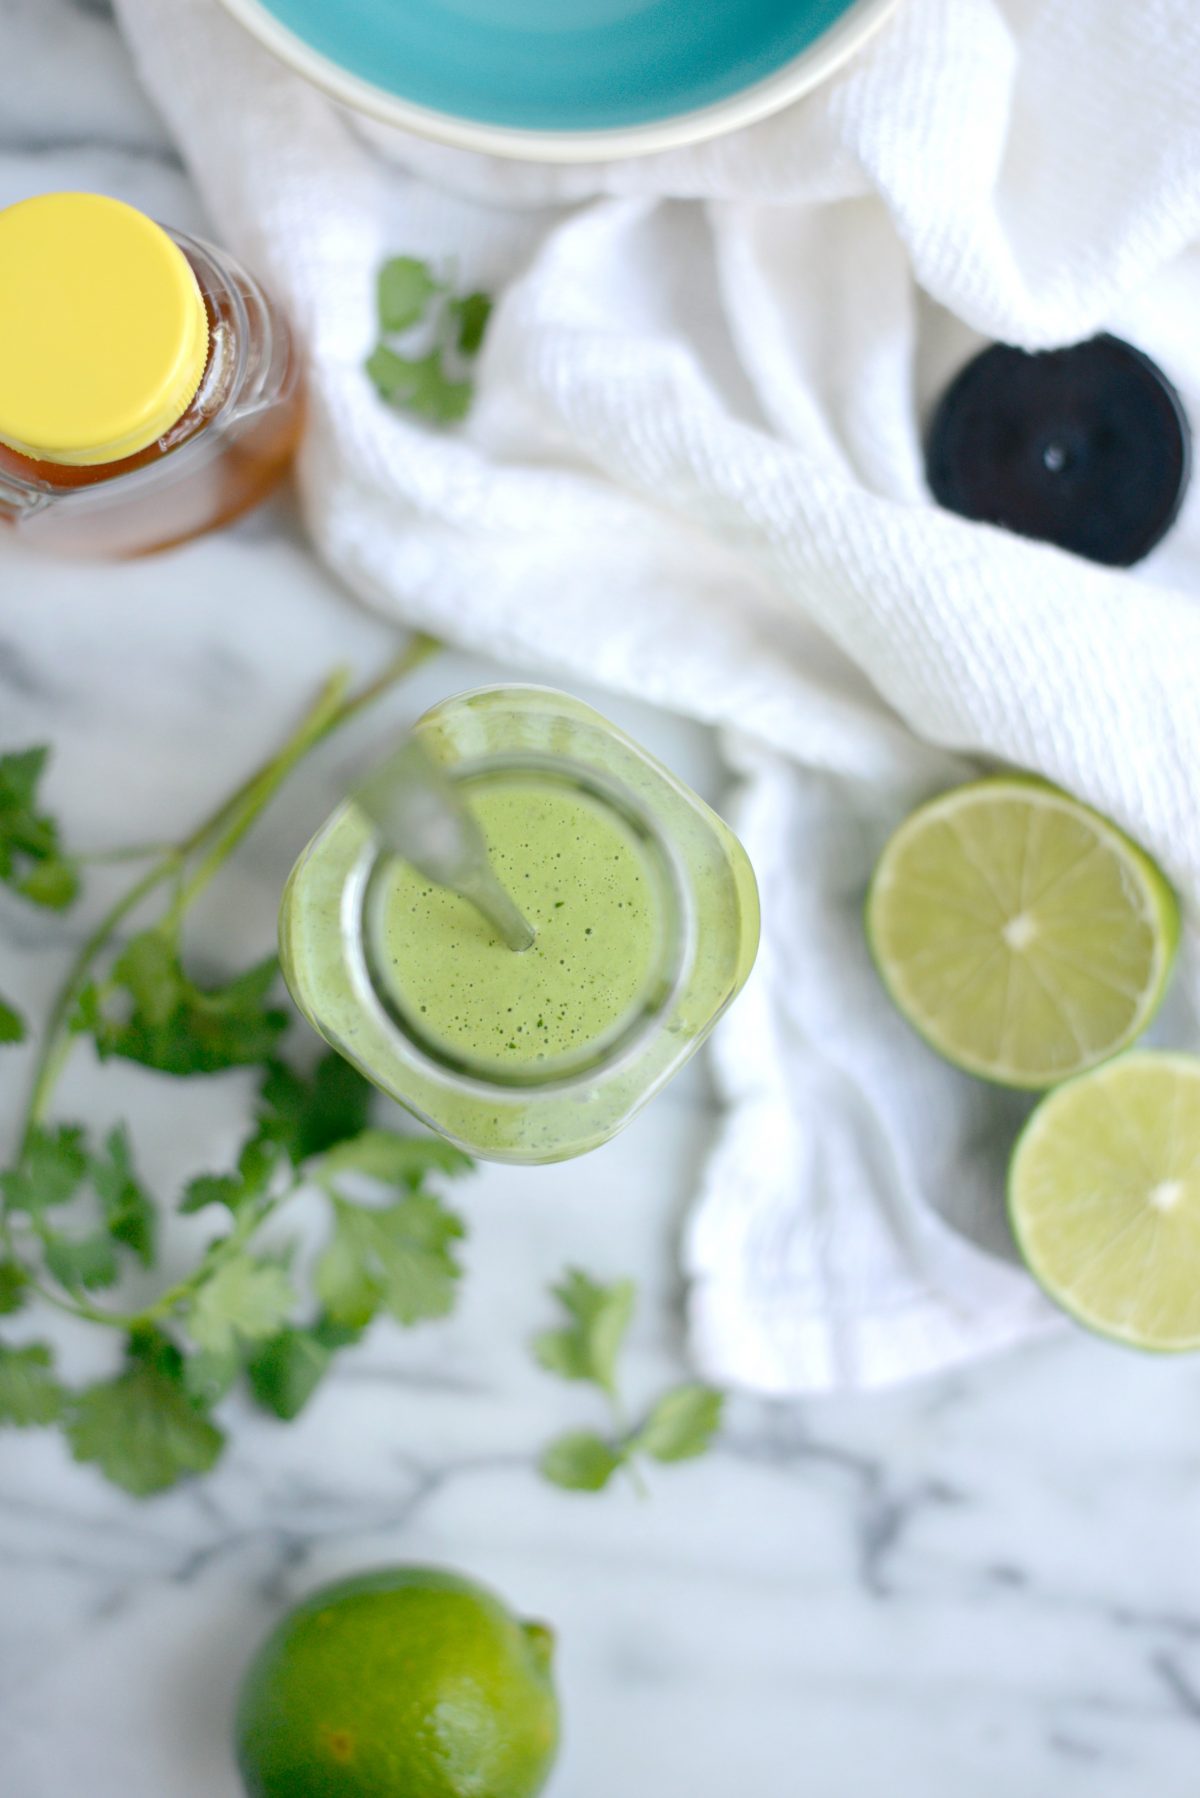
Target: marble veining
(987, 1584)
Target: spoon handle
(487, 895)
(421, 815)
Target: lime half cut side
(1104, 1196)
(1021, 933)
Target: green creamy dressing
(583, 877)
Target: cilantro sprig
(680, 1426)
(80, 1226)
(76, 1216)
(239, 1311)
(428, 339)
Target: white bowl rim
(798, 76)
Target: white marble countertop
(987, 1584)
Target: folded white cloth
(694, 472)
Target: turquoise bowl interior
(559, 65)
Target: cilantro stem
(635, 1475)
(75, 1306)
(56, 1040)
(136, 852)
(419, 649)
(245, 1226)
(255, 795)
(228, 824)
(626, 1441)
(329, 712)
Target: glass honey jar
(149, 388)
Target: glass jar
(156, 396)
(644, 902)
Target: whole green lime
(405, 1683)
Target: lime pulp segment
(1021, 933)
(1104, 1196)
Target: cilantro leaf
(243, 1301)
(405, 289)
(399, 1258)
(52, 883)
(419, 384)
(392, 1159)
(471, 314)
(50, 1172)
(31, 860)
(256, 1164)
(81, 1260)
(208, 1375)
(212, 1189)
(128, 1211)
(21, 771)
(169, 1023)
(12, 1024)
(580, 1462)
(14, 1283)
(149, 969)
(393, 375)
(308, 1116)
(588, 1348)
(29, 1392)
(682, 1424)
(87, 1015)
(141, 1429)
(344, 1280)
(287, 1370)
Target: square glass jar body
(703, 895)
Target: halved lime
(1104, 1196)
(1021, 933)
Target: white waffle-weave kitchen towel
(694, 472)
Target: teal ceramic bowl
(564, 80)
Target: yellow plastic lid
(103, 330)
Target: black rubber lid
(1086, 447)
